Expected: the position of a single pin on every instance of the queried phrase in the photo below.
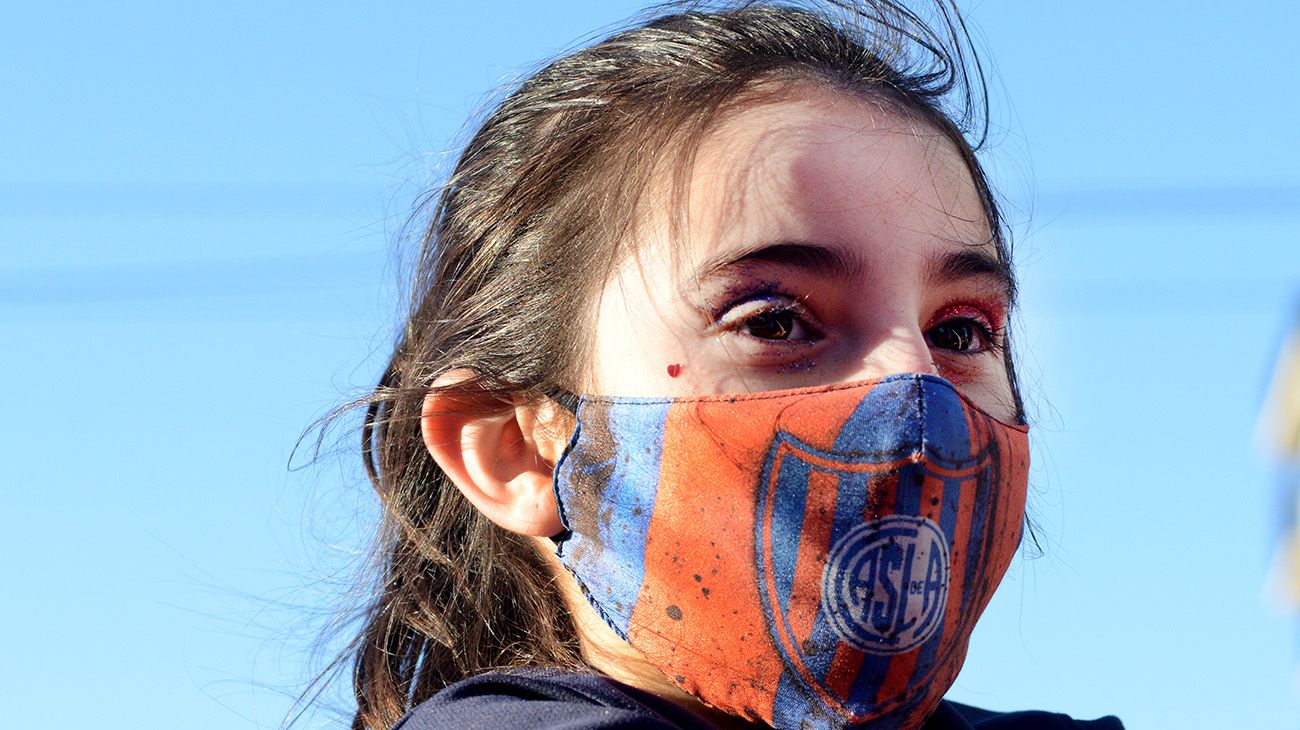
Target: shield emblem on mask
(853, 574)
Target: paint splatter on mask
(811, 558)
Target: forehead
(827, 167)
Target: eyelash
(986, 331)
(740, 315)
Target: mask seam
(760, 395)
(797, 393)
(563, 536)
(920, 406)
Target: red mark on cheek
(674, 370)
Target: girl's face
(828, 239)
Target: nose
(898, 349)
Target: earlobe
(499, 454)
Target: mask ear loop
(568, 400)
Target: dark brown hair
(527, 226)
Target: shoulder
(546, 698)
(956, 716)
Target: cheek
(641, 346)
(619, 342)
(626, 359)
(992, 393)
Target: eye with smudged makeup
(768, 318)
(964, 329)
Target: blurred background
(198, 203)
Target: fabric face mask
(812, 558)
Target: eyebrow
(825, 261)
(973, 261)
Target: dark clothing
(956, 716)
(547, 699)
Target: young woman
(705, 414)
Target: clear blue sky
(197, 203)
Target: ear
(499, 454)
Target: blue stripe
(611, 564)
(986, 514)
(792, 484)
(977, 547)
(907, 497)
(796, 707)
(851, 499)
(948, 523)
(885, 425)
(638, 434)
(907, 502)
(791, 701)
(787, 524)
(888, 425)
(948, 439)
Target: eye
(770, 317)
(962, 329)
(960, 335)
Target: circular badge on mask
(886, 584)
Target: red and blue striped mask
(811, 558)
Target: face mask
(812, 558)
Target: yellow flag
(1281, 424)
(1280, 434)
